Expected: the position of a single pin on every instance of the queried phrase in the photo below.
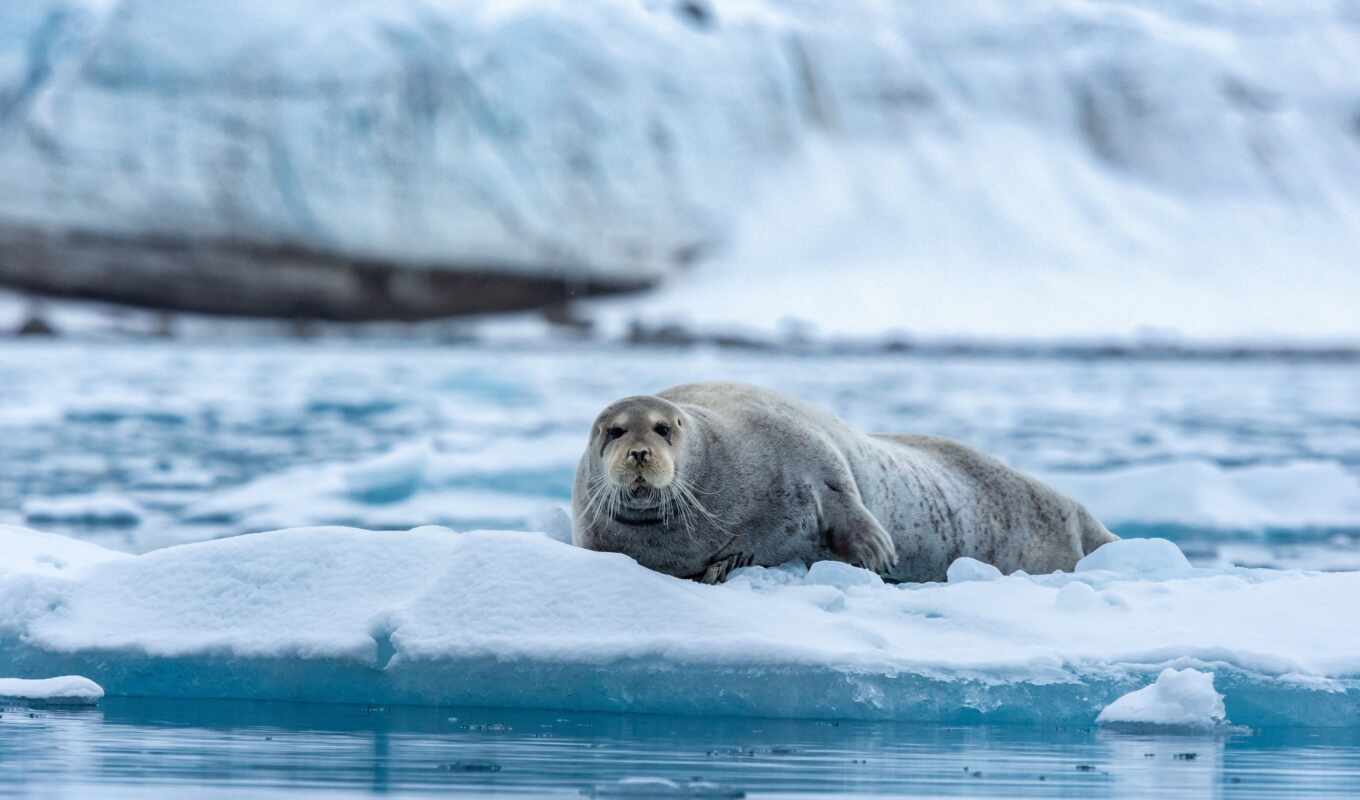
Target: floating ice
(1301, 494)
(388, 478)
(510, 487)
(95, 509)
(514, 619)
(1180, 698)
(65, 690)
(664, 787)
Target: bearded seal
(707, 477)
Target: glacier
(1033, 168)
(435, 617)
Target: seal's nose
(640, 455)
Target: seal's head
(638, 441)
(644, 484)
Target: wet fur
(780, 481)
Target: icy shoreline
(519, 620)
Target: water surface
(148, 748)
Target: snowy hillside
(1027, 168)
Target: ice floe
(430, 616)
(65, 690)
(94, 509)
(1180, 698)
(1204, 494)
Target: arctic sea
(139, 446)
(154, 748)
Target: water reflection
(142, 747)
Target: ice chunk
(1180, 698)
(518, 619)
(388, 478)
(88, 509)
(840, 575)
(65, 690)
(970, 569)
(1136, 557)
(664, 787)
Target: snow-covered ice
(970, 569)
(64, 690)
(35, 552)
(1137, 557)
(1180, 698)
(518, 619)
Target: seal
(707, 477)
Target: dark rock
(35, 326)
(249, 279)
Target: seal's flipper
(856, 535)
(718, 571)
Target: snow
(970, 569)
(1137, 557)
(65, 690)
(1180, 698)
(840, 575)
(434, 617)
(1031, 169)
(34, 552)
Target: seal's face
(641, 488)
(637, 443)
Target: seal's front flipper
(855, 534)
(717, 571)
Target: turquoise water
(131, 747)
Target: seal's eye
(613, 432)
(663, 430)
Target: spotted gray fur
(777, 481)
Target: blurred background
(266, 264)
